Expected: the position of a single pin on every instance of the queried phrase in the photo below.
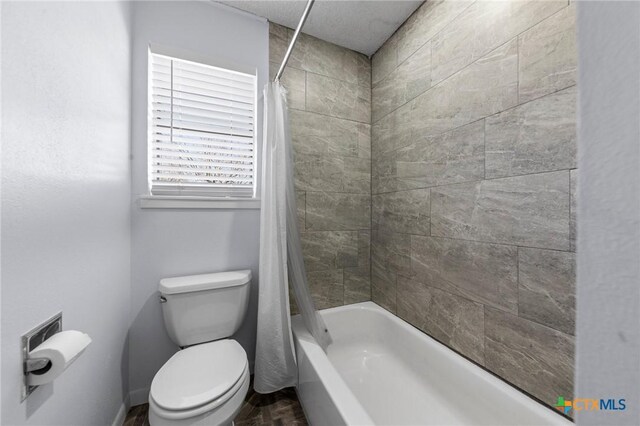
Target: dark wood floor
(281, 408)
(137, 416)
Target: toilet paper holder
(32, 339)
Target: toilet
(204, 383)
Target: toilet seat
(199, 379)
(210, 408)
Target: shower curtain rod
(294, 39)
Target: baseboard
(138, 396)
(122, 413)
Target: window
(201, 129)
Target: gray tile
(331, 173)
(357, 285)
(338, 98)
(539, 136)
(324, 58)
(533, 357)
(332, 164)
(407, 81)
(384, 60)
(381, 274)
(364, 140)
(327, 211)
(325, 250)
(318, 173)
(403, 211)
(392, 132)
(383, 173)
(487, 86)
(327, 288)
(482, 27)
(383, 286)
(362, 66)
(485, 273)
(454, 156)
(321, 135)
(548, 55)
(453, 320)
(390, 253)
(294, 80)
(530, 210)
(547, 288)
(279, 38)
(364, 249)
(356, 175)
(573, 220)
(301, 201)
(426, 22)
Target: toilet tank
(203, 308)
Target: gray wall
(473, 166)
(66, 201)
(177, 242)
(608, 327)
(329, 109)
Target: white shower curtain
(280, 255)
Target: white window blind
(201, 129)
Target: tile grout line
(484, 148)
(471, 181)
(342, 48)
(518, 69)
(371, 186)
(516, 36)
(484, 335)
(460, 294)
(353, 83)
(572, 234)
(398, 63)
(518, 280)
(435, 135)
(388, 231)
(306, 90)
(430, 214)
(443, 81)
(485, 305)
(327, 115)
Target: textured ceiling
(362, 26)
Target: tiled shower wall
(473, 182)
(329, 98)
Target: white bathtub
(380, 370)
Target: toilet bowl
(206, 382)
(201, 385)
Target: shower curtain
(281, 259)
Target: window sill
(168, 202)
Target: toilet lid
(198, 375)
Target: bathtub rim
(525, 397)
(343, 399)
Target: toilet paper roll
(61, 349)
